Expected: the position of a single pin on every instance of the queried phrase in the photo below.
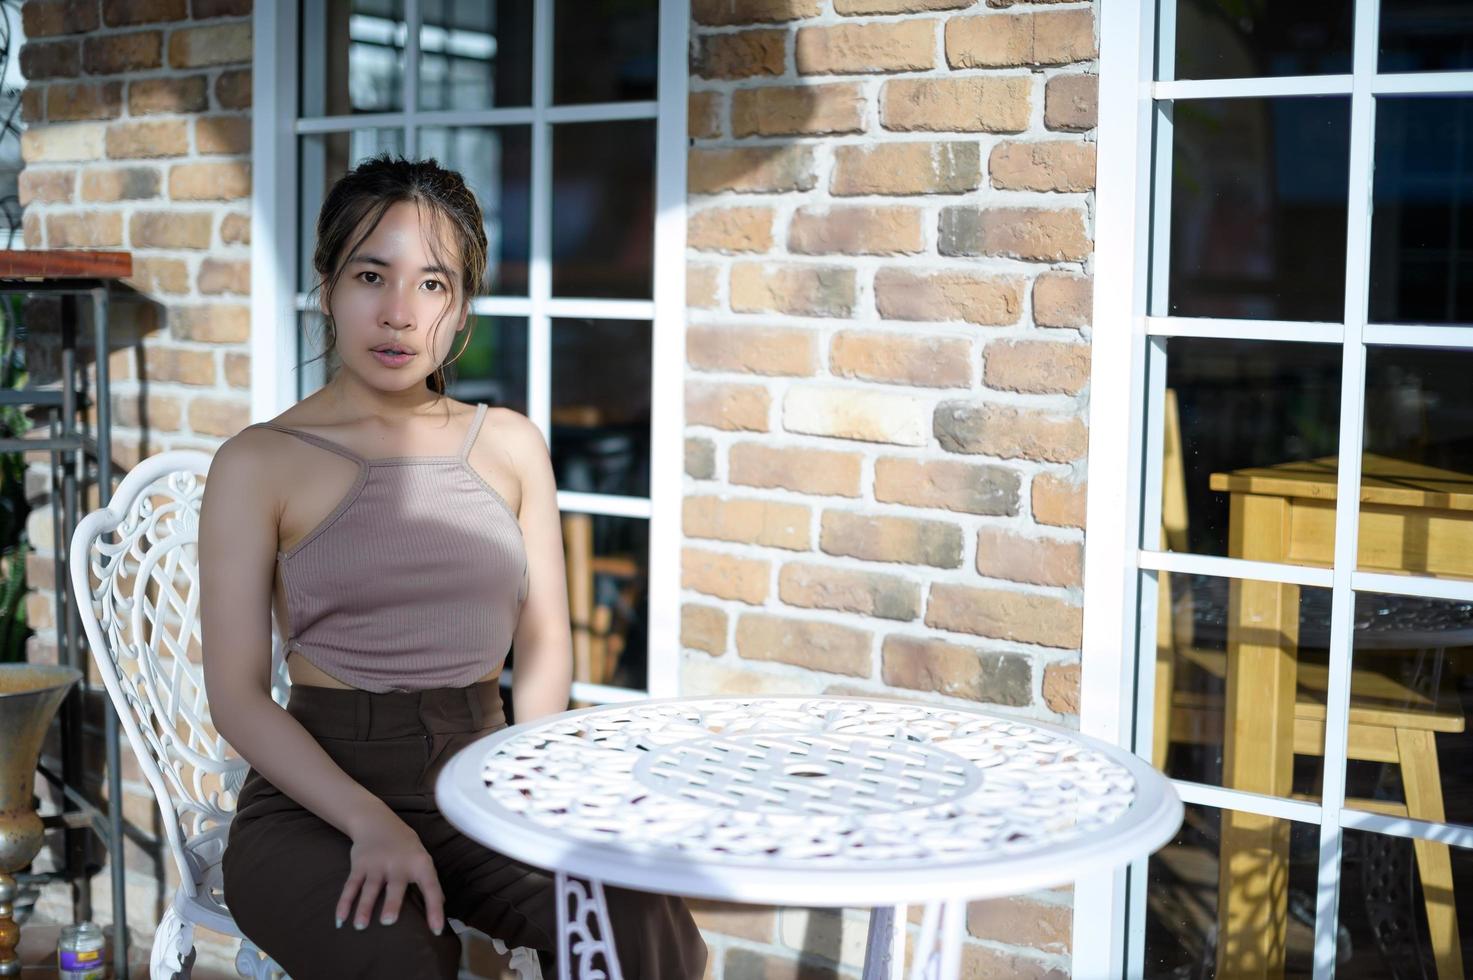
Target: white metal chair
(142, 622)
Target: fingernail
(360, 925)
(387, 920)
(340, 922)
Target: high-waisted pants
(284, 867)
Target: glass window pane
(475, 54)
(1417, 472)
(601, 405)
(603, 209)
(1426, 35)
(322, 159)
(1258, 193)
(1249, 419)
(1422, 211)
(497, 165)
(352, 57)
(1184, 937)
(605, 50)
(1411, 688)
(1404, 907)
(1220, 644)
(608, 580)
(493, 367)
(1233, 39)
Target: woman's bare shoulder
(253, 445)
(256, 459)
(511, 424)
(518, 436)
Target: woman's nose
(395, 309)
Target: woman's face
(389, 298)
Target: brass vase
(29, 697)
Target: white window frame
(1124, 454)
(275, 301)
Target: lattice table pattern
(805, 801)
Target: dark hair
(360, 198)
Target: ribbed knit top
(415, 580)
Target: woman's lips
(392, 360)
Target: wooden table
(1413, 519)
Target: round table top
(819, 801)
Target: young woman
(405, 541)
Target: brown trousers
(284, 867)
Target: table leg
(1258, 745)
(884, 949)
(584, 931)
(938, 955)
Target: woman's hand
(387, 854)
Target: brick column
(888, 360)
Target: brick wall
(888, 357)
(138, 137)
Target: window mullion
(539, 281)
(273, 345)
(1347, 503)
(1165, 70)
(1252, 88)
(1418, 335)
(412, 20)
(1107, 656)
(1157, 304)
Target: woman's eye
(439, 286)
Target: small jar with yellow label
(79, 953)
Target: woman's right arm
(239, 516)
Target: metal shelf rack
(76, 278)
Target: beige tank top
(415, 580)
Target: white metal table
(810, 801)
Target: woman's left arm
(542, 676)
